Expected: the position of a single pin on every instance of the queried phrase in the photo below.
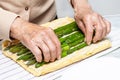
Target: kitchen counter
(15, 72)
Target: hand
(93, 25)
(40, 40)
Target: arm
(88, 21)
(40, 40)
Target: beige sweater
(36, 11)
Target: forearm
(16, 28)
(81, 6)
(80, 3)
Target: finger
(98, 31)
(35, 50)
(104, 27)
(81, 25)
(82, 28)
(45, 50)
(52, 47)
(56, 41)
(108, 24)
(89, 32)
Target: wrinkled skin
(93, 25)
(40, 40)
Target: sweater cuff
(6, 20)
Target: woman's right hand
(40, 40)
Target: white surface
(97, 69)
(64, 8)
(103, 7)
(106, 7)
(9, 70)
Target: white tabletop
(9, 70)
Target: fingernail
(94, 41)
(59, 57)
(85, 39)
(52, 60)
(39, 61)
(89, 43)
